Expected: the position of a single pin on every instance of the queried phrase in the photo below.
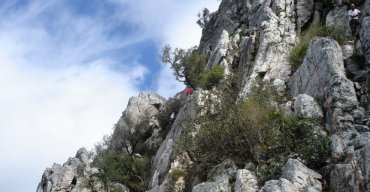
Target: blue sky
(68, 68)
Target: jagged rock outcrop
(220, 178)
(322, 76)
(64, 177)
(141, 109)
(161, 162)
(294, 177)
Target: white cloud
(59, 90)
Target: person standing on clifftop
(354, 14)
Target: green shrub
(254, 130)
(177, 173)
(187, 65)
(298, 52)
(131, 171)
(211, 77)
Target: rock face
(365, 38)
(338, 18)
(64, 177)
(294, 177)
(140, 109)
(220, 176)
(161, 162)
(322, 76)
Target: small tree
(127, 139)
(203, 17)
(186, 65)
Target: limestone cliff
(254, 38)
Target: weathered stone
(365, 38)
(139, 109)
(338, 18)
(322, 76)
(220, 176)
(348, 50)
(301, 176)
(161, 161)
(306, 106)
(279, 86)
(342, 179)
(363, 159)
(367, 7)
(288, 108)
(277, 36)
(305, 10)
(246, 181)
(281, 185)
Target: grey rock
(139, 109)
(83, 155)
(348, 50)
(161, 161)
(365, 38)
(305, 10)
(58, 178)
(338, 18)
(367, 7)
(342, 179)
(363, 159)
(288, 108)
(281, 185)
(301, 176)
(220, 176)
(279, 86)
(246, 181)
(322, 76)
(276, 36)
(362, 128)
(306, 106)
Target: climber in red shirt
(188, 91)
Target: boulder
(294, 177)
(301, 176)
(281, 185)
(306, 106)
(246, 181)
(220, 177)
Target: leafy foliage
(186, 65)
(298, 52)
(204, 17)
(130, 171)
(211, 77)
(254, 130)
(124, 158)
